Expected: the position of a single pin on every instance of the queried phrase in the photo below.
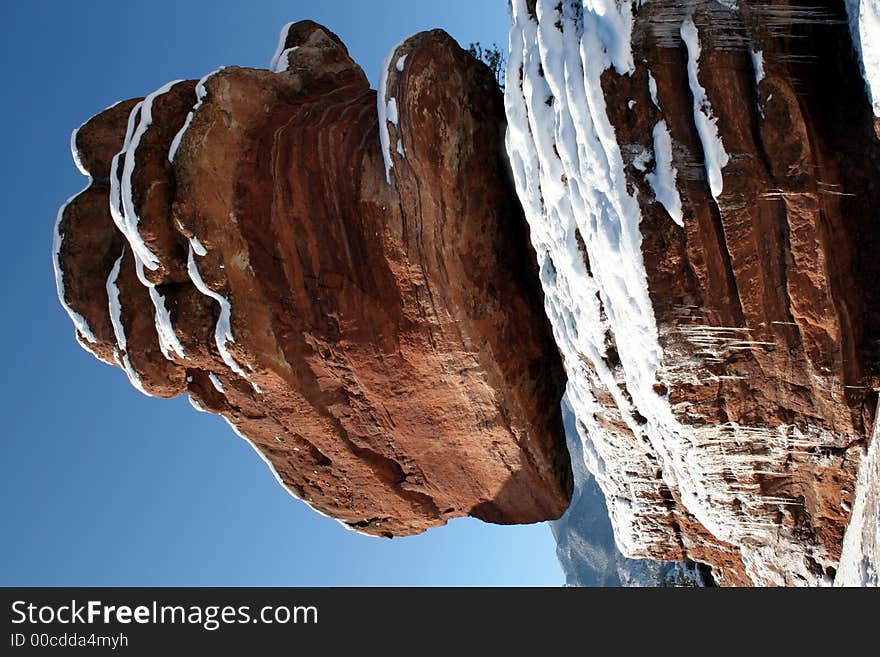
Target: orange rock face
(354, 295)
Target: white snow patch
(115, 309)
(391, 111)
(196, 405)
(279, 49)
(715, 156)
(631, 104)
(400, 148)
(400, 61)
(662, 180)
(652, 89)
(201, 92)
(642, 159)
(74, 153)
(114, 304)
(223, 329)
(216, 382)
(284, 60)
(864, 26)
(758, 65)
(168, 341)
(197, 246)
(860, 557)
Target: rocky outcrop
(700, 180)
(351, 289)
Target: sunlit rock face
(700, 183)
(344, 276)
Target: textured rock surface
(701, 183)
(363, 310)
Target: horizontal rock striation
(700, 180)
(344, 276)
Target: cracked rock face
(355, 295)
(701, 183)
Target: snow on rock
(223, 328)
(279, 54)
(652, 89)
(129, 155)
(83, 330)
(582, 191)
(860, 559)
(284, 61)
(201, 92)
(864, 25)
(386, 106)
(758, 65)
(391, 111)
(715, 156)
(662, 180)
(122, 209)
(115, 309)
(216, 382)
(196, 405)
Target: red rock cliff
(355, 296)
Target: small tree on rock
(492, 57)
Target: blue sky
(99, 484)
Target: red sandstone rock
(382, 344)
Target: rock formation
(351, 289)
(347, 277)
(701, 183)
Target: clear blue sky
(100, 485)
